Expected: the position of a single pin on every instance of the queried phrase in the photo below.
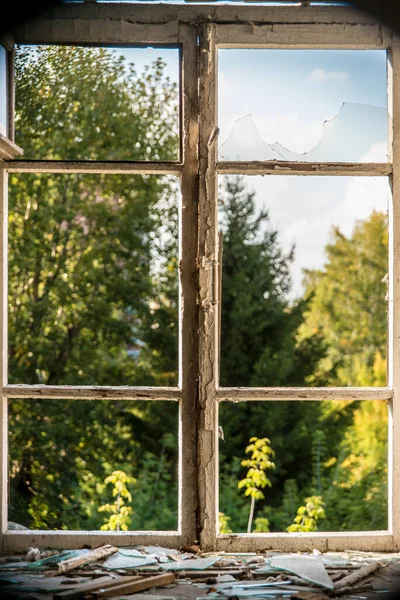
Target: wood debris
(93, 556)
(217, 576)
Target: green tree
(85, 268)
(348, 305)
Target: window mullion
(208, 296)
(394, 295)
(188, 311)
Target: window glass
(302, 105)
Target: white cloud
(377, 153)
(321, 76)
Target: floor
(95, 574)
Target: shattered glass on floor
(166, 574)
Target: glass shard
(356, 134)
(302, 105)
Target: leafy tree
(348, 306)
(85, 269)
(120, 513)
(258, 463)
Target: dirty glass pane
(3, 91)
(304, 281)
(302, 105)
(93, 280)
(63, 451)
(88, 103)
(329, 455)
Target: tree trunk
(251, 515)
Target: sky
(3, 92)
(289, 94)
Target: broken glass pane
(83, 103)
(304, 280)
(67, 458)
(3, 91)
(328, 457)
(302, 105)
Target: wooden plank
(88, 28)
(8, 149)
(28, 392)
(79, 591)
(357, 575)
(242, 394)
(20, 541)
(189, 310)
(71, 392)
(114, 22)
(93, 167)
(3, 352)
(367, 541)
(93, 556)
(207, 258)
(305, 35)
(394, 295)
(274, 167)
(146, 583)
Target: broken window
(155, 312)
(302, 105)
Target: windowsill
(9, 150)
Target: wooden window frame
(199, 31)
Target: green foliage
(308, 515)
(347, 304)
(256, 478)
(262, 525)
(257, 464)
(119, 518)
(223, 521)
